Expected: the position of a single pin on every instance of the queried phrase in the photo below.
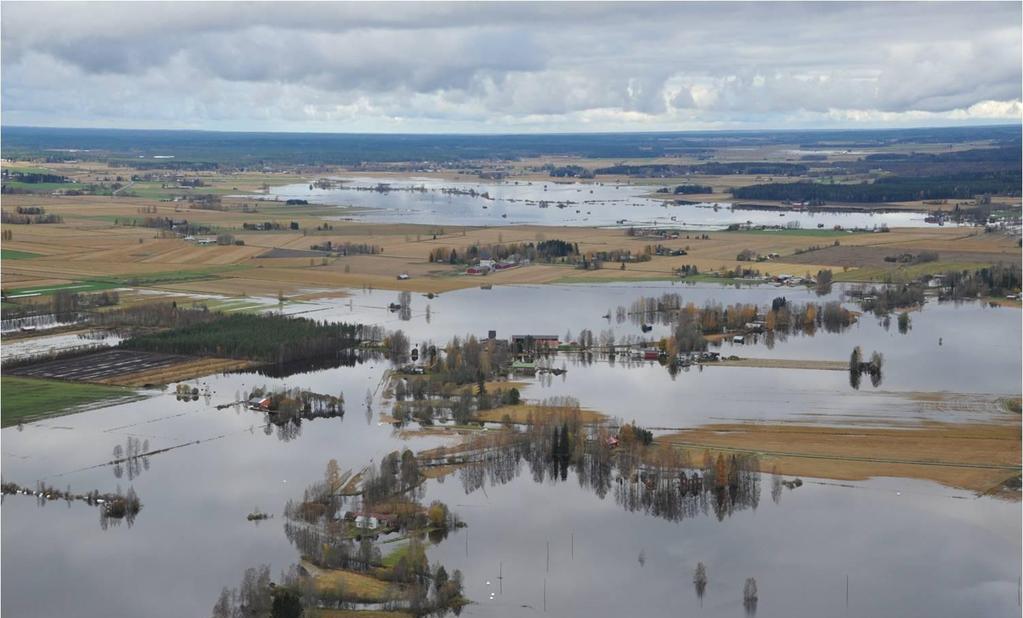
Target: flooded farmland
(215, 460)
(440, 202)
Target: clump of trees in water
(883, 300)
(858, 367)
(296, 401)
(998, 280)
(389, 492)
(286, 408)
(114, 507)
(639, 473)
(422, 590)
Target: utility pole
(500, 576)
(548, 557)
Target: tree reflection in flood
(655, 480)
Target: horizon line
(537, 133)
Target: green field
(29, 399)
(109, 283)
(41, 187)
(11, 254)
(903, 272)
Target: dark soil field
(99, 366)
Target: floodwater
(909, 548)
(41, 346)
(432, 201)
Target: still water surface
(432, 201)
(910, 548)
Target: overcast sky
(515, 67)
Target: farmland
(29, 399)
(218, 282)
(89, 253)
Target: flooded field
(954, 553)
(43, 345)
(441, 202)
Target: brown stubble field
(94, 241)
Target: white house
(368, 522)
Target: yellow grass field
(97, 239)
(976, 457)
(357, 586)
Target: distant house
(651, 354)
(260, 403)
(476, 270)
(403, 276)
(738, 339)
(611, 442)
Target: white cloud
(501, 66)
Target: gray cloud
(514, 66)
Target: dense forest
(668, 171)
(888, 189)
(265, 337)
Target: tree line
(263, 337)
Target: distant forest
(207, 150)
(889, 189)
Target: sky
(509, 67)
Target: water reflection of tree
(700, 581)
(658, 482)
(132, 457)
(288, 408)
